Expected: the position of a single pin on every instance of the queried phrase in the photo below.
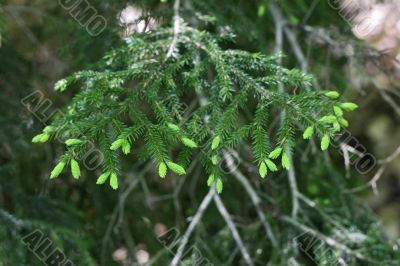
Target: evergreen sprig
(136, 101)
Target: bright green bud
(336, 127)
(41, 138)
(215, 143)
(271, 165)
(116, 144)
(57, 170)
(176, 168)
(37, 138)
(263, 170)
(114, 181)
(162, 170)
(214, 159)
(308, 133)
(48, 129)
(261, 10)
(348, 106)
(210, 180)
(275, 153)
(332, 94)
(45, 137)
(337, 110)
(325, 142)
(72, 142)
(75, 170)
(220, 186)
(103, 178)
(343, 122)
(189, 143)
(328, 119)
(173, 127)
(126, 147)
(285, 161)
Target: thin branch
(310, 12)
(177, 26)
(253, 196)
(346, 149)
(328, 240)
(391, 157)
(195, 221)
(128, 190)
(281, 22)
(18, 223)
(326, 216)
(293, 188)
(222, 210)
(373, 183)
(279, 27)
(390, 101)
(23, 25)
(117, 216)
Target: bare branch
(195, 221)
(391, 157)
(390, 101)
(177, 26)
(253, 196)
(373, 183)
(328, 240)
(293, 188)
(222, 210)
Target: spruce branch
(141, 96)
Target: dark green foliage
(151, 115)
(140, 92)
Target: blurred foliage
(42, 43)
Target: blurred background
(350, 46)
